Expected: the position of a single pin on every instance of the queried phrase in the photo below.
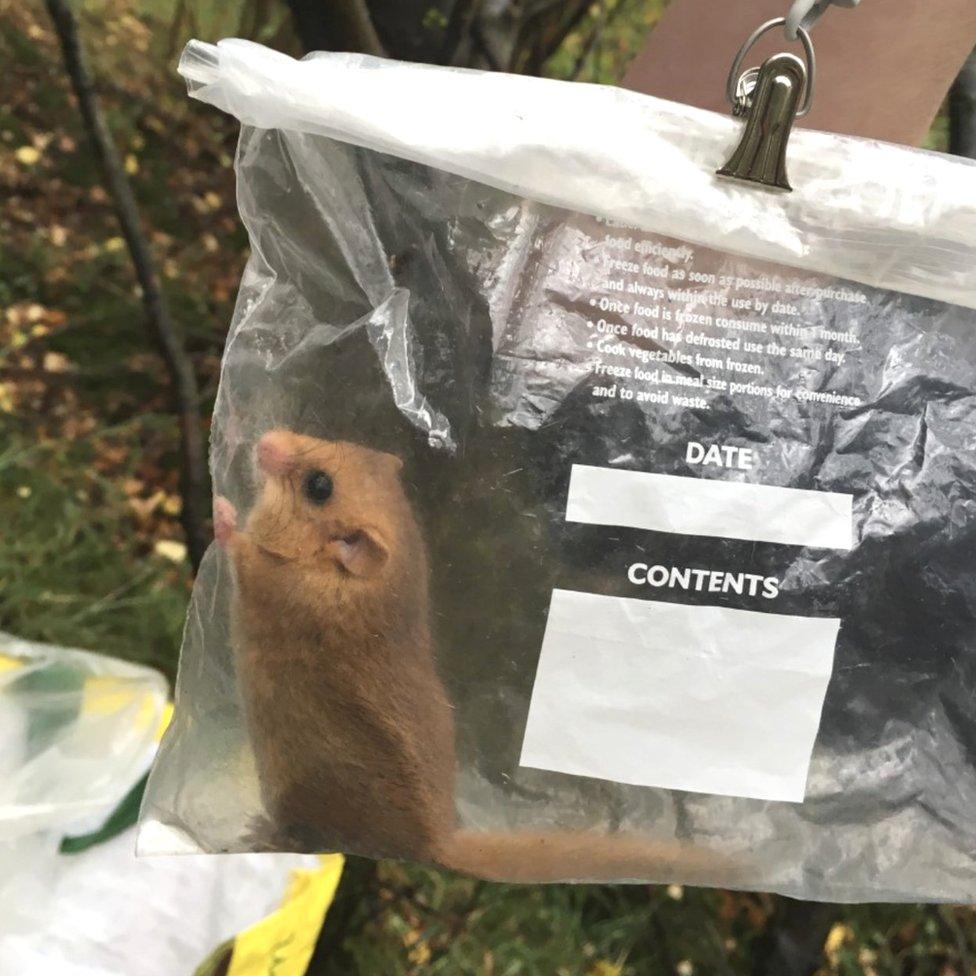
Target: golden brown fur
(351, 726)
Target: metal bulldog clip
(772, 98)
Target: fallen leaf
(603, 967)
(419, 955)
(170, 549)
(56, 362)
(27, 155)
(144, 507)
(173, 505)
(836, 938)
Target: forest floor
(91, 553)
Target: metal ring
(732, 84)
(803, 13)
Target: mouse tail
(542, 857)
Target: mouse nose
(273, 454)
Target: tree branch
(590, 44)
(962, 111)
(336, 25)
(542, 32)
(481, 45)
(194, 475)
(459, 27)
(595, 41)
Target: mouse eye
(317, 487)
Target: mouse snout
(273, 453)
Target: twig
(90, 609)
(661, 939)
(530, 54)
(483, 47)
(194, 476)
(591, 42)
(955, 929)
(607, 17)
(174, 31)
(713, 934)
(463, 17)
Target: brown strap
(884, 69)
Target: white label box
(697, 698)
(707, 507)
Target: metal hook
(805, 13)
(734, 93)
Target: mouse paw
(263, 835)
(224, 520)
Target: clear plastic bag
(77, 734)
(76, 731)
(583, 515)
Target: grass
(433, 923)
(89, 535)
(71, 570)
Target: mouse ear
(361, 553)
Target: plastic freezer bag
(581, 515)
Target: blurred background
(97, 545)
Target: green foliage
(938, 137)
(416, 920)
(602, 44)
(434, 19)
(90, 554)
(408, 921)
(71, 571)
(211, 20)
